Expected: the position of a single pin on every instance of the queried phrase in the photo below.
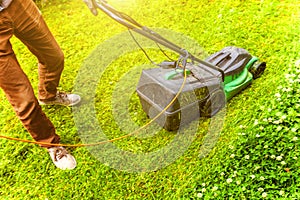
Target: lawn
(257, 152)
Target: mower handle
(130, 23)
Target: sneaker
(61, 158)
(62, 98)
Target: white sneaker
(62, 98)
(61, 158)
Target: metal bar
(145, 31)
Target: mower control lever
(167, 64)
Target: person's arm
(92, 6)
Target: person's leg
(32, 30)
(18, 88)
(19, 91)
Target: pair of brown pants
(23, 19)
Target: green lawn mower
(178, 92)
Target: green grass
(259, 136)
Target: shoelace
(63, 97)
(59, 153)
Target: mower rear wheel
(257, 69)
(215, 102)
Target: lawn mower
(209, 83)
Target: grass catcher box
(202, 94)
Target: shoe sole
(57, 103)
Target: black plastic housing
(232, 60)
(156, 93)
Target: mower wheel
(257, 69)
(214, 103)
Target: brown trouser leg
(23, 19)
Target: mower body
(204, 93)
(239, 67)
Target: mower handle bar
(131, 24)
